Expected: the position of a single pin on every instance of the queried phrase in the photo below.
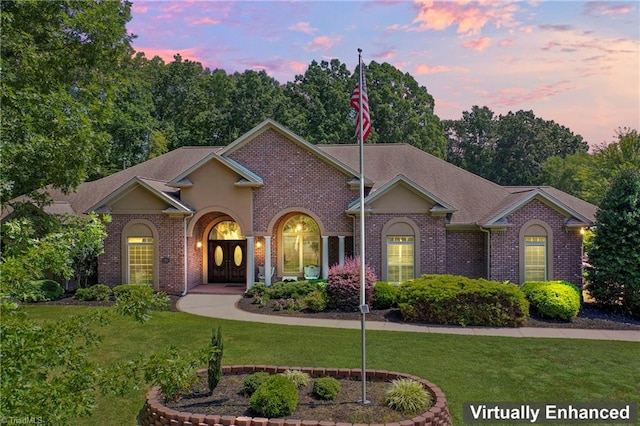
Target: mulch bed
(228, 400)
(589, 317)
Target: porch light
(258, 244)
(199, 244)
(582, 231)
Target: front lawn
(467, 368)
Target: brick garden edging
(154, 413)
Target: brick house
(270, 201)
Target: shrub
(553, 299)
(290, 290)
(39, 291)
(326, 388)
(299, 378)
(214, 368)
(449, 299)
(99, 292)
(343, 285)
(316, 301)
(136, 300)
(258, 290)
(407, 396)
(385, 295)
(276, 397)
(253, 382)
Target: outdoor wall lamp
(258, 244)
(199, 244)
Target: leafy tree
(402, 110)
(524, 142)
(472, 140)
(48, 374)
(615, 254)
(59, 63)
(318, 103)
(588, 176)
(68, 248)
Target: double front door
(227, 261)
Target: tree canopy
(59, 63)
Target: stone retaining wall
(155, 413)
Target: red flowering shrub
(343, 285)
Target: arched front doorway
(226, 253)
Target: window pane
(227, 230)
(140, 251)
(400, 259)
(300, 244)
(535, 258)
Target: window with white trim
(400, 258)
(300, 243)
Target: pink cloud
(469, 17)
(512, 97)
(505, 42)
(205, 21)
(322, 43)
(167, 55)
(424, 69)
(478, 44)
(596, 8)
(303, 27)
(139, 8)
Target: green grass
(467, 368)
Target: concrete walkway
(224, 306)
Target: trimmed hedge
(275, 397)
(553, 299)
(385, 295)
(457, 300)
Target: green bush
(290, 290)
(136, 300)
(553, 299)
(385, 295)
(276, 397)
(316, 301)
(214, 367)
(456, 300)
(99, 292)
(39, 291)
(299, 378)
(253, 382)
(326, 388)
(407, 396)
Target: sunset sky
(574, 62)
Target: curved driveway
(224, 306)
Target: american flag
(355, 103)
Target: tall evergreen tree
(615, 254)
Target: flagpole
(363, 303)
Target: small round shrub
(299, 378)
(407, 396)
(385, 295)
(316, 301)
(253, 382)
(276, 397)
(52, 290)
(553, 299)
(99, 292)
(326, 388)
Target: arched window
(225, 230)
(536, 242)
(300, 244)
(140, 266)
(399, 245)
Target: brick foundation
(155, 413)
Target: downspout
(186, 257)
(488, 232)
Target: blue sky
(574, 62)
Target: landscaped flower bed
(156, 413)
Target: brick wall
(169, 245)
(567, 245)
(466, 254)
(294, 177)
